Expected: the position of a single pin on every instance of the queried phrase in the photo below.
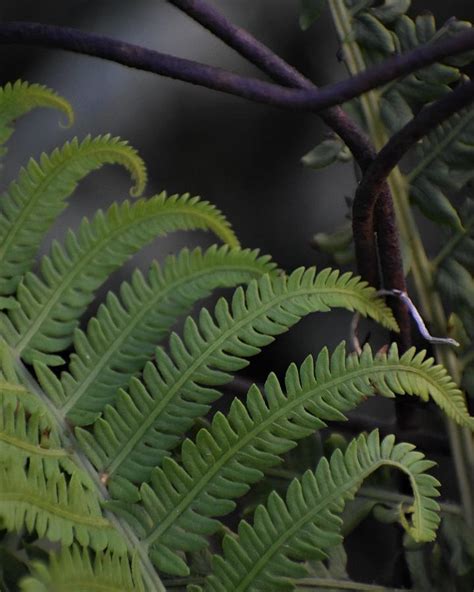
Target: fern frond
(445, 164)
(183, 500)
(137, 432)
(49, 308)
(126, 330)
(19, 98)
(54, 507)
(74, 570)
(33, 202)
(383, 29)
(267, 555)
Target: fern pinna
(102, 452)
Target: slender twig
(170, 66)
(279, 70)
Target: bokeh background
(243, 157)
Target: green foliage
(115, 457)
(19, 98)
(48, 307)
(35, 200)
(265, 555)
(124, 333)
(53, 507)
(184, 498)
(74, 570)
(138, 431)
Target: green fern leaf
(49, 308)
(74, 570)
(25, 435)
(137, 432)
(29, 436)
(125, 332)
(54, 507)
(19, 98)
(445, 165)
(267, 555)
(183, 500)
(32, 203)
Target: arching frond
(54, 507)
(19, 98)
(183, 500)
(74, 570)
(49, 308)
(268, 555)
(33, 202)
(126, 330)
(137, 432)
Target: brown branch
(135, 56)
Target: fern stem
(149, 574)
(307, 584)
(461, 442)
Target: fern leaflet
(54, 507)
(32, 203)
(74, 570)
(137, 432)
(445, 165)
(266, 556)
(19, 98)
(124, 334)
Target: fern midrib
(437, 148)
(134, 321)
(14, 388)
(338, 493)
(47, 180)
(77, 269)
(35, 449)
(272, 418)
(55, 509)
(235, 328)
